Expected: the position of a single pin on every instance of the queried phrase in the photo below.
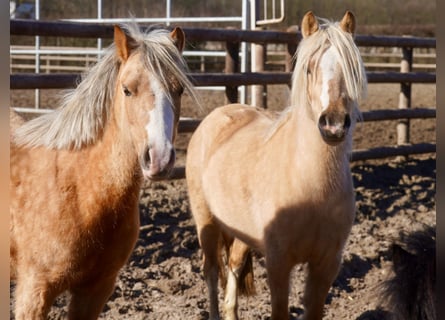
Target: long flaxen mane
(329, 34)
(85, 110)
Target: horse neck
(309, 155)
(116, 151)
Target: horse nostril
(322, 121)
(147, 157)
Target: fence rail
(64, 80)
(80, 59)
(232, 78)
(90, 30)
(189, 125)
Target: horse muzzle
(334, 127)
(157, 164)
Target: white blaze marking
(160, 126)
(327, 66)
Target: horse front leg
(33, 297)
(209, 236)
(278, 274)
(88, 301)
(319, 281)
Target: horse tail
(246, 285)
(410, 294)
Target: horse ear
(309, 25)
(123, 43)
(348, 22)
(178, 37)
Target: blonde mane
(85, 110)
(329, 34)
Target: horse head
(149, 89)
(331, 74)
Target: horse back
(224, 123)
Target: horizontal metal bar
(32, 110)
(60, 52)
(96, 52)
(158, 20)
(95, 30)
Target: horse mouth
(333, 139)
(155, 167)
(159, 176)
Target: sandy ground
(163, 279)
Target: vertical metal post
(244, 26)
(253, 19)
(257, 58)
(99, 40)
(168, 12)
(37, 57)
(405, 97)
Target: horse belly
(233, 202)
(301, 231)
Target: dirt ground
(163, 279)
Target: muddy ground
(163, 279)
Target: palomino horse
(76, 173)
(282, 185)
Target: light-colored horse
(76, 172)
(282, 185)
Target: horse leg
(88, 301)
(237, 259)
(33, 298)
(319, 281)
(209, 236)
(208, 239)
(278, 274)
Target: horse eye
(127, 92)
